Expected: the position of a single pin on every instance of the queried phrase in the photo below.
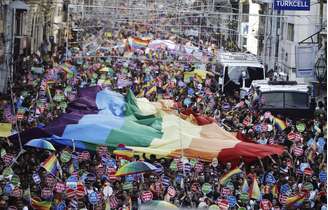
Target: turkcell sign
(291, 5)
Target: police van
(238, 71)
(289, 98)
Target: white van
(285, 97)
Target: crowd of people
(49, 80)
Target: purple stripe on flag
(84, 104)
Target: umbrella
(134, 168)
(159, 204)
(40, 143)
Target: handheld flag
(255, 192)
(227, 176)
(296, 200)
(51, 165)
(40, 205)
(279, 124)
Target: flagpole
(181, 146)
(73, 142)
(19, 154)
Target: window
(287, 100)
(252, 73)
(245, 10)
(296, 100)
(272, 100)
(290, 32)
(19, 29)
(59, 11)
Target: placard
(305, 55)
(146, 196)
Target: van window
(252, 73)
(296, 100)
(272, 100)
(287, 100)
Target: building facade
(285, 31)
(27, 27)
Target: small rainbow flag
(275, 191)
(279, 124)
(51, 165)
(255, 192)
(123, 152)
(227, 176)
(137, 43)
(296, 200)
(37, 204)
(245, 187)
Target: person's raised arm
(241, 165)
(261, 163)
(273, 161)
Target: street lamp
(321, 72)
(321, 69)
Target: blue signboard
(93, 198)
(291, 5)
(232, 201)
(323, 176)
(61, 206)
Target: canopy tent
(106, 117)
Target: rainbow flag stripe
(255, 191)
(296, 200)
(245, 187)
(124, 152)
(40, 205)
(51, 165)
(279, 124)
(227, 176)
(137, 43)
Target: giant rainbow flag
(108, 118)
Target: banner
(303, 5)
(304, 58)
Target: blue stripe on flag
(95, 128)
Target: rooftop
(266, 87)
(238, 59)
